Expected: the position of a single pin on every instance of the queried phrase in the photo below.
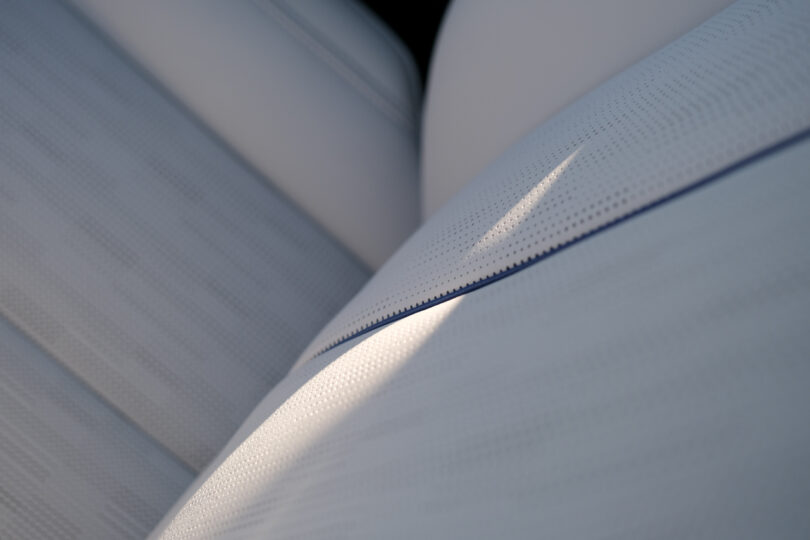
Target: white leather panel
(317, 95)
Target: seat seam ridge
(318, 46)
(538, 257)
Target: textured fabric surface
(318, 95)
(70, 466)
(153, 264)
(734, 86)
(500, 69)
(652, 381)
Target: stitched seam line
(402, 54)
(525, 263)
(352, 74)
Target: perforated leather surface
(651, 381)
(153, 264)
(70, 466)
(732, 87)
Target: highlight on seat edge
(365, 269)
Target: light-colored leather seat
(184, 203)
(601, 334)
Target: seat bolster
(320, 97)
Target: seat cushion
(319, 96)
(477, 104)
(151, 262)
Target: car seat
(220, 316)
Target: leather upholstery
(317, 95)
(602, 335)
(647, 379)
